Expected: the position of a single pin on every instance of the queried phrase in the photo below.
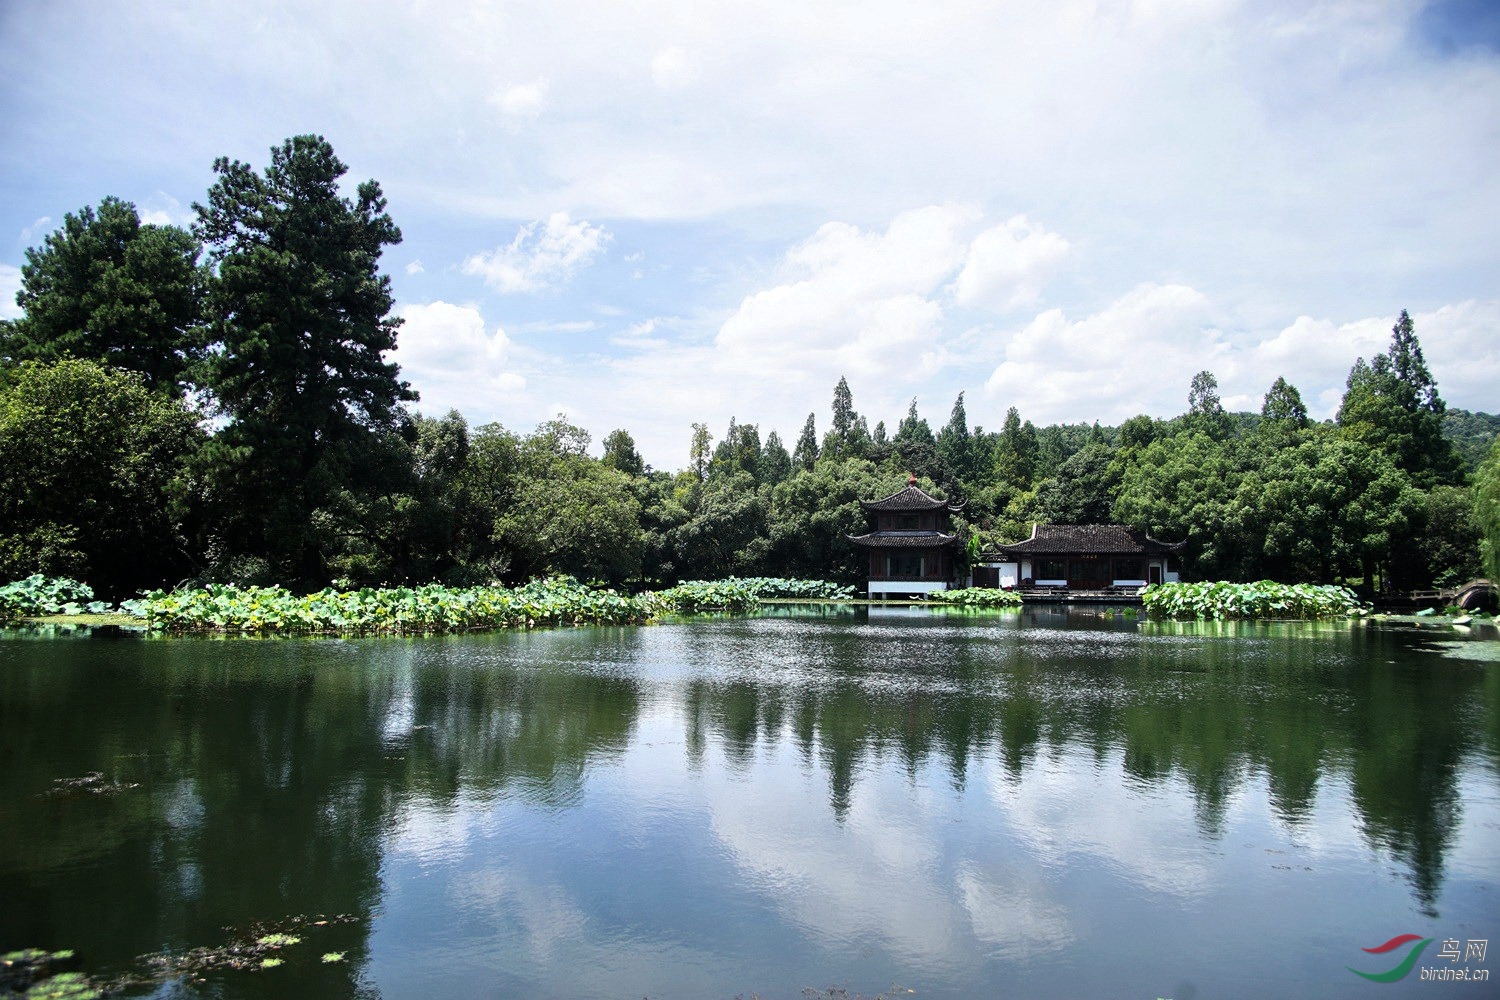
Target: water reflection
(714, 797)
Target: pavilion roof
(913, 497)
(1090, 539)
(903, 540)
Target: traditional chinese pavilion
(911, 545)
(1086, 557)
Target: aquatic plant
(708, 595)
(784, 588)
(35, 974)
(977, 597)
(1264, 599)
(400, 611)
(39, 595)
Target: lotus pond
(809, 802)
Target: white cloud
(161, 209)
(1008, 264)
(852, 301)
(446, 354)
(672, 68)
(1137, 355)
(543, 255)
(522, 101)
(1460, 342)
(10, 286)
(415, 267)
(33, 233)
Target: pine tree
(302, 323)
(107, 288)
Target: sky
(652, 214)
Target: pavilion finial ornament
(911, 479)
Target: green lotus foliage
(432, 608)
(1262, 600)
(705, 595)
(399, 611)
(779, 588)
(39, 595)
(977, 597)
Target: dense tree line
(216, 404)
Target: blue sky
(650, 214)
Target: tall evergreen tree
(955, 445)
(1392, 404)
(913, 429)
(805, 454)
(1283, 405)
(776, 464)
(1016, 451)
(843, 411)
(849, 435)
(301, 326)
(107, 288)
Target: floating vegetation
(330, 957)
(257, 949)
(279, 940)
(977, 597)
(92, 783)
(1263, 600)
(36, 974)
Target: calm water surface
(1030, 804)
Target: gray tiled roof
(903, 540)
(910, 498)
(1089, 539)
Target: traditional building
(1081, 557)
(912, 546)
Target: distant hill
(1471, 433)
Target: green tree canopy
(107, 288)
(805, 454)
(301, 323)
(1486, 492)
(1083, 491)
(776, 464)
(93, 476)
(1205, 410)
(1283, 406)
(1391, 404)
(1016, 452)
(620, 453)
(956, 446)
(569, 513)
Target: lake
(813, 802)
